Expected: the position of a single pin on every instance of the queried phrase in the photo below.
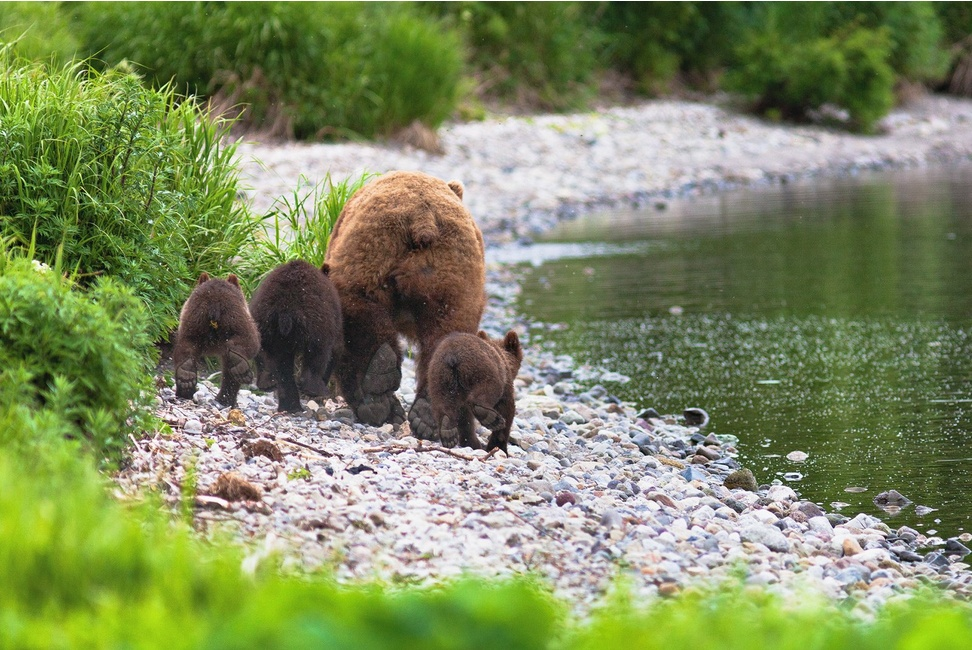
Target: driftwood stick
(316, 450)
(402, 450)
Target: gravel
(591, 489)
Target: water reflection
(833, 319)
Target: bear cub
(472, 377)
(215, 322)
(298, 314)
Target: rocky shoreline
(593, 489)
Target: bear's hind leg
(288, 397)
(505, 410)
(312, 380)
(184, 363)
(381, 379)
(371, 342)
(467, 429)
(236, 372)
(421, 419)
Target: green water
(833, 318)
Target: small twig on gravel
(209, 500)
(316, 450)
(402, 450)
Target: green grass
(298, 227)
(119, 180)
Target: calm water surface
(833, 318)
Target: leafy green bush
(656, 41)
(81, 362)
(37, 31)
(849, 70)
(120, 180)
(914, 30)
(540, 54)
(306, 69)
(956, 20)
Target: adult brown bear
(215, 322)
(298, 314)
(472, 377)
(406, 258)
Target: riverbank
(592, 489)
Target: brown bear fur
(298, 314)
(406, 258)
(472, 377)
(215, 322)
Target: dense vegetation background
(115, 192)
(325, 70)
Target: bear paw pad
(185, 377)
(238, 367)
(376, 410)
(420, 420)
(448, 432)
(489, 418)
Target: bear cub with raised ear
(471, 378)
(215, 322)
(298, 314)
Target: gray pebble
(769, 536)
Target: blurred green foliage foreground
(337, 70)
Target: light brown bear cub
(215, 322)
(472, 377)
(406, 258)
(298, 314)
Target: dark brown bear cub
(472, 377)
(215, 322)
(298, 314)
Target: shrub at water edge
(848, 70)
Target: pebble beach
(593, 490)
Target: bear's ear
(326, 268)
(483, 335)
(203, 277)
(512, 344)
(232, 279)
(456, 187)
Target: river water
(832, 318)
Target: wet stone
(741, 479)
(649, 413)
(695, 417)
(956, 547)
